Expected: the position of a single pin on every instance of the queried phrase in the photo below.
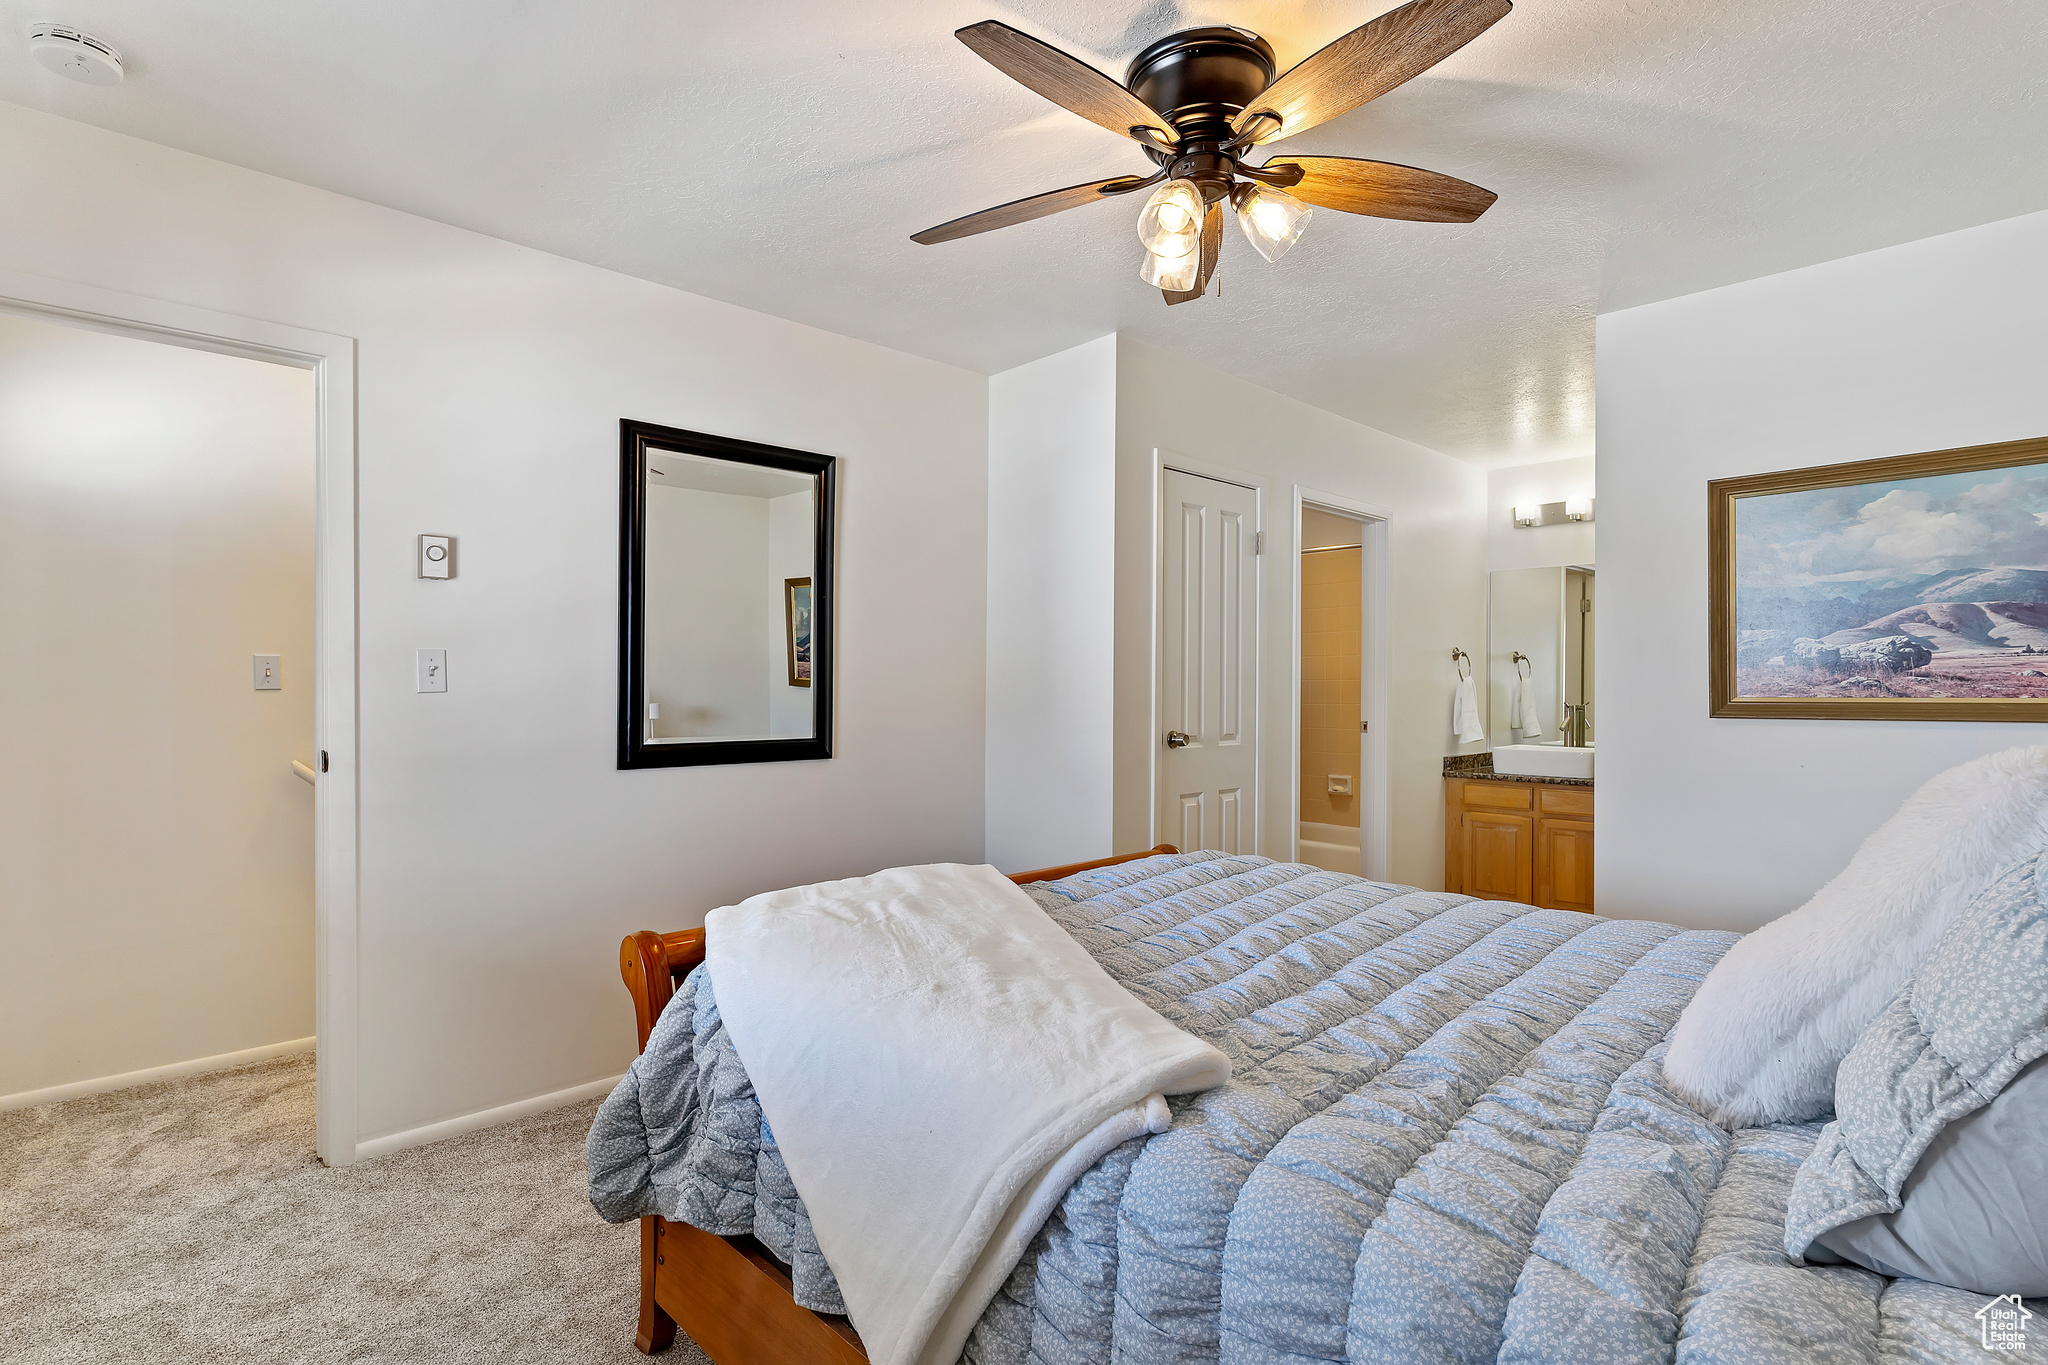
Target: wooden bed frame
(731, 1295)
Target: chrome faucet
(1575, 725)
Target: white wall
(1051, 564)
(1926, 346)
(1509, 546)
(710, 618)
(156, 531)
(502, 855)
(1436, 591)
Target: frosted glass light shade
(1172, 219)
(1272, 219)
(1579, 509)
(1528, 514)
(1177, 273)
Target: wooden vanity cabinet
(1530, 842)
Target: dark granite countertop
(1479, 767)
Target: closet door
(1206, 787)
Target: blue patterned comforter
(1447, 1137)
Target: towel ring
(1464, 668)
(1518, 659)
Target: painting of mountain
(1926, 587)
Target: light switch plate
(269, 676)
(437, 558)
(431, 666)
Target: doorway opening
(1333, 723)
(176, 536)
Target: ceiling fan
(1199, 100)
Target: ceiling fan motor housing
(1200, 78)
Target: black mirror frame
(635, 439)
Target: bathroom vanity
(1515, 838)
(1518, 819)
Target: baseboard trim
(77, 1090)
(483, 1118)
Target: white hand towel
(1465, 712)
(1526, 719)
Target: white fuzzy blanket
(938, 1061)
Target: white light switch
(437, 558)
(269, 678)
(432, 670)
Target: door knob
(1176, 740)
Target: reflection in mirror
(727, 546)
(725, 596)
(1540, 655)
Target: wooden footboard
(729, 1294)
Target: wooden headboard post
(650, 963)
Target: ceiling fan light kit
(1200, 100)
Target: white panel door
(1207, 789)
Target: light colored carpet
(189, 1221)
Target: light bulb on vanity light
(1272, 219)
(1579, 509)
(1528, 514)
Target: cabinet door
(1498, 849)
(1564, 864)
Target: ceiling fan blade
(1382, 189)
(1071, 84)
(1212, 247)
(1024, 210)
(1369, 61)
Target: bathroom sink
(1542, 760)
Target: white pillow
(1762, 1038)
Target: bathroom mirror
(725, 600)
(1540, 655)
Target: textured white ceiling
(778, 155)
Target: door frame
(1163, 460)
(1375, 828)
(336, 795)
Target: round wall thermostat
(79, 56)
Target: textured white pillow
(1761, 1040)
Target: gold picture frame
(1896, 687)
(796, 629)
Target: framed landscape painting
(796, 621)
(1910, 588)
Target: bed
(1447, 1138)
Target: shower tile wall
(1330, 616)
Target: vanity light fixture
(1553, 513)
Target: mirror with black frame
(725, 594)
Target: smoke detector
(80, 56)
